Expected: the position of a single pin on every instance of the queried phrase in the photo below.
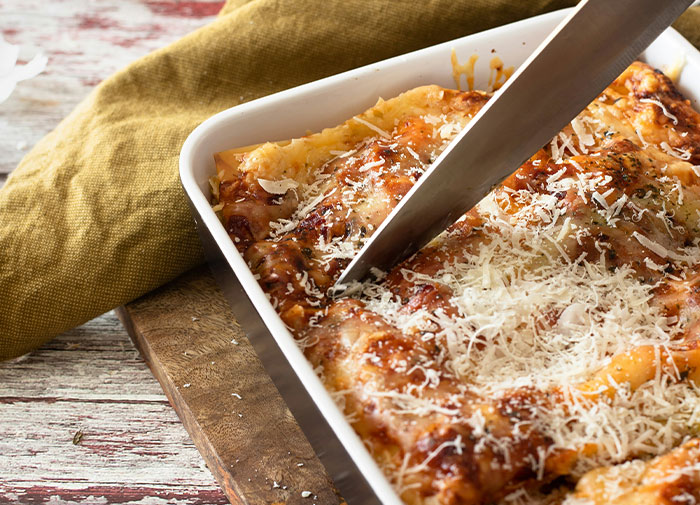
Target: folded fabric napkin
(94, 215)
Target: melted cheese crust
(670, 479)
(551, 331)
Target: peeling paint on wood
(85, 42)
(97, 495)
(134, 449)
(182, 8)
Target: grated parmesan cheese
(382, 133)
(662, 107)
(519, 311)
(277, 187)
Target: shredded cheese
(277, 187)
(382, 133)
(662, 107)
(535, 301)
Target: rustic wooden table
(82, 420)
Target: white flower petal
(11, 73)
(8, 56)
(31, 69)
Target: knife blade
(567, 71)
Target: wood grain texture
(209, 371)
(85, 43)
(133, 450)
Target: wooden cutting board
(187, 334)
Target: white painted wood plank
(92, 379)
(122, 445)
(99, 352)
(85, 41)
(134, 449)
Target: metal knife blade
(573, 65)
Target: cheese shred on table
(544, 348)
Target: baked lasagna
(544, 348)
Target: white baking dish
(329, 102)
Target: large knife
(574, 64)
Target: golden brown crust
(671, 479)
(614, 198)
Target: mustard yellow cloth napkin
(94, 215)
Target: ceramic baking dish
(327, 103)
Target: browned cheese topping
(547, 338)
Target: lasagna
(544, 348)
